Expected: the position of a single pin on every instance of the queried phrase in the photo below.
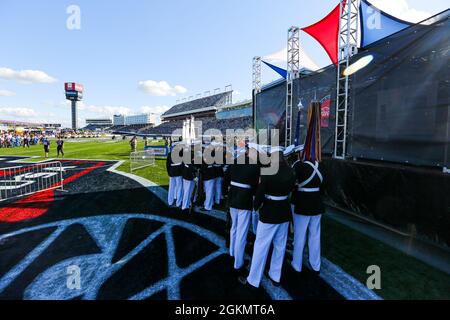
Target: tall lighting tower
(74, 93)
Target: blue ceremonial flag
(278, 70)
(377, 24)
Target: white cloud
(401, 9)
(155, 109)
(26, 76)
(7, 93)
(104, 110)
(18, 112)
(161, 88)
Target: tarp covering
(282, 72)
(399, 113)
(271, 109)
(399, 103)
(414, 201)
(326, 32)
(377, 24)
(319, 86)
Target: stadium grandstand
(216, 111)
(133, 124)
(8, 125)
(98, 124)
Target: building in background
(100, 122)
(236, 110)
(141, 119)
(202, 114)
(119, 120)
(134, 123)
(21, 126)
(52, 126)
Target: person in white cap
(272, 197)
(242, 178)
(307, 207)
(175, 172)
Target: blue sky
(143, 55)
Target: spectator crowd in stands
(208, 123)
(10, 139)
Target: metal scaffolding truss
(293, 72)
(257, 74)
(348, 46)
(256, 84)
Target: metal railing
(141, 159)
(20, 181)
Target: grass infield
(402, 276)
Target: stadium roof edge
(180, 105)
(19, 123)
(237, 104)
(187, 112)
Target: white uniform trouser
(303, 225)
(218, 190)
(265, 236)
(175, 191)
(255, 220)
(209, 193)
(238, 235)
(188, 188)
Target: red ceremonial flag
(326, 32)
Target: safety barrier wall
(25, 180)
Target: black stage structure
(396, 166)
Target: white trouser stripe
(188, 188)
(209, 194)
(238, 235)
(304, 225)
(267, 234)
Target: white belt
(176, 164)
(308, 189)
(274, 198)
(241, 185)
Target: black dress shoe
(310, 268)
(247, 285)
(243, 280)
(274, 283)
(240, 272)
